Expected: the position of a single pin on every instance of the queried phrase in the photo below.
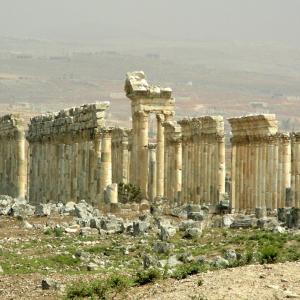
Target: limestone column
(125, 161)
(256, 174)
(233, 175)
(143, 153)
(106, 166)
(286, 167)
(152, 171)
(160, 156)
(21, 161)
(178, 169)
(221, 166)
(275, 173)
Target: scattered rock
(220, 262)
(166, 232)
(193, 232)
(149, 261)
(27, 225)
(43, 209)
(162, 247)
(140, 227)
(72, 229)
(230, 255)
(49, 284)
(92, 267)
(87, 231)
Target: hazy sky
(88, 20)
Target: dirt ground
(278, 281)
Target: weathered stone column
(233, 175)
(152, 171)
(286, 166)
(160, 156)
(178, 169)
(106, 167)
(143, 153)
(221, 166)
(21, 163)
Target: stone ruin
(69, 155)
(13, 159)
(73, 156)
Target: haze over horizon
(88, 22)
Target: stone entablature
(261, 163)
(70, 155)
(68, 121)
(13, 167)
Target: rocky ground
(277, 281)
(46, 252)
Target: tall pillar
(21, 161)
(106, 166)
(286, 167)
(143, 153)
(152, 171)
(221, 166)
(233, 176)
(178, 169)
(160, 156)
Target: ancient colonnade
(203, 160)
(261, 163)
(12, 156)
(70, 155)
(73, 156)
(146, 99)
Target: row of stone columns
(261, 164)
(71, 170)
(13, 165)
(70, 155)
(203, 160)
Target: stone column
(152, 171)
(233, 175)
(160, 156)
(125, 161)
(178, 169)
(142, 157)
(286, 167)
(21, 161)
(106, 167)
(221, 166)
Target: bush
(58, 232)
(269, 254)
(183, 271)
(99, 289)
(147, 276)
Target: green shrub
(147, 276)
(185, 270)
(97, 289)
(269, 254)
(58, 232)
